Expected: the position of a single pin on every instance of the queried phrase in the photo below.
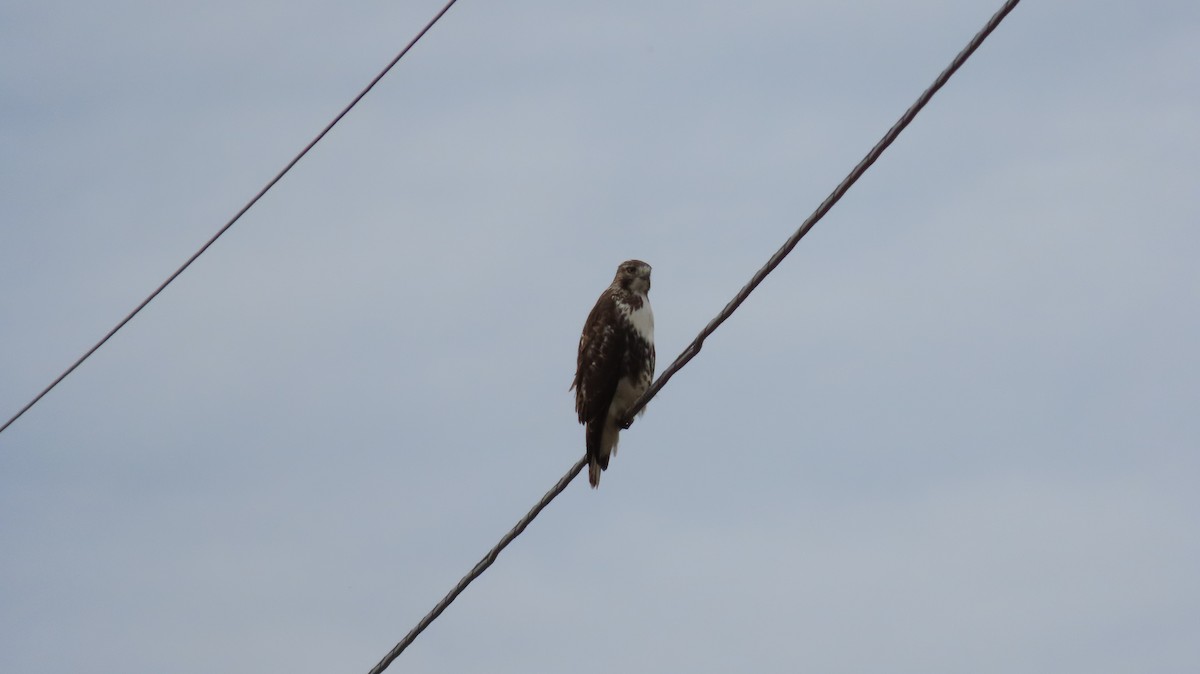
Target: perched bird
(616, 361)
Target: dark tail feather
(596, 462)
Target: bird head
(634, 276)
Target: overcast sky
(956, 431)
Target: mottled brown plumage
(616, 361)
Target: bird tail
(597, 458)
(593, 472)
(601, 445)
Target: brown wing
(601, 348)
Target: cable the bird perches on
(694, 347)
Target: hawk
(616, 361)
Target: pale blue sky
(956, 431)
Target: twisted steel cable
(480, 567)
(694, 347)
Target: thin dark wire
(694, 347)
(234, 219)
(891, 135)
(480, 567)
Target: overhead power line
(235, 218)
(694, 348)
(834, 196)
(480, 567)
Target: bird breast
(641, 319)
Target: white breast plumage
(642, 319)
